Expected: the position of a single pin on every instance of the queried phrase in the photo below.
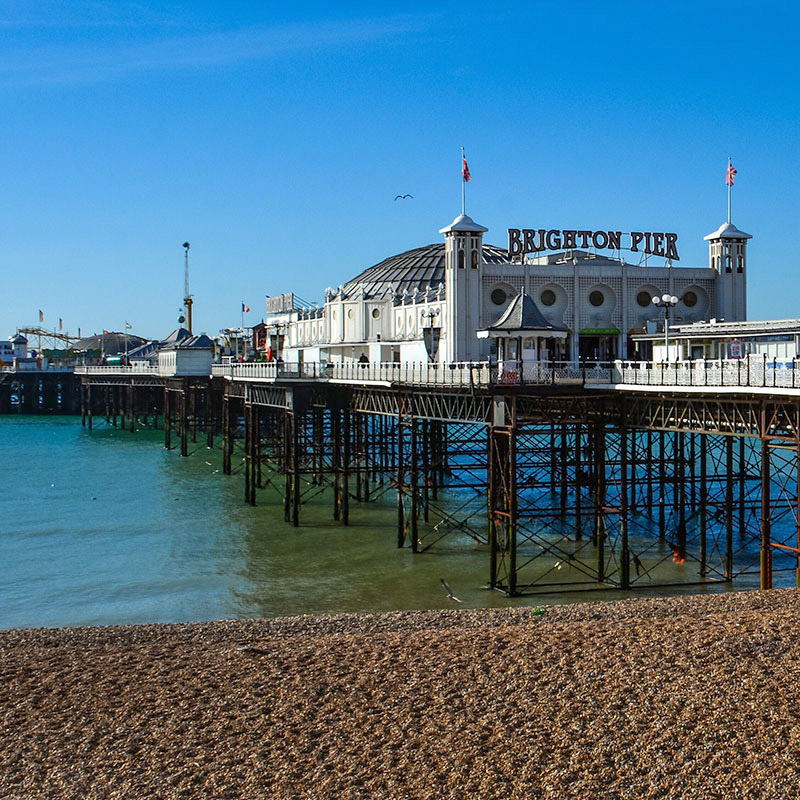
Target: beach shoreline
(688, 696)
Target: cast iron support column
(131, 408)
(624, 556)
(578, 481)
(167, 420)
(184, 426)
(336, 459)
(600, 499)
(401, 476)
(728, 508)
(502, 495)
(346, 456)
(766, 510)
(414, 480)
(227, 443)
(703, 503)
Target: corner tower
(727, 253)
(463, 248)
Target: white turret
(727, 253)
(463, 261)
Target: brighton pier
(572, 477)
(530, 240)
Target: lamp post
(666, 301)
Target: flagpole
(729, 182)
(463, 186)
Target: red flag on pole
(730, 175)
(465, 170)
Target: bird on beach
(449, 591)
(404, 196)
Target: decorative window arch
(461, 258)
(474, 259)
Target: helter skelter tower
(187, 298)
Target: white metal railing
(119, 370)
(751, 372)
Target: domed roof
(727, 231)
(415, 270)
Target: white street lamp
(666, 301)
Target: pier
(570, 476)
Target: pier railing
(755, 371)
(117, 370)
(752, 372)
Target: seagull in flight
(404, 196)
(449, 591)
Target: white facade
(427, 304)
(189, 361)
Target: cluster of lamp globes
(666, 300)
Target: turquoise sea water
(107, 527)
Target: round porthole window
(376, 312)
(548, 297)
(596, 298)
(644, 299)
(498, 297)
(690, 299)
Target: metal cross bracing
(566, 491)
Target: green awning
(600, 332)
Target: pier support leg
(600, 499)
(766, 510)
(227, 443)
(703, 504)
(728, 508)
(502, 497)
(624, 555)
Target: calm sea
(107, 527)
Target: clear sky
(275, 136)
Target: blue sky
(274, 138)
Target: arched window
(727, 263)
(740, 264)
(461, 259)
(474, 259)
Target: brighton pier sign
(530, 240)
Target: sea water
(107, 527)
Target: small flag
(245, 309)
(105, 333)
(731, 174)
(41, 315)
(465, 169)
(60, 324)
(128, 325)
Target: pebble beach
(681, 697)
